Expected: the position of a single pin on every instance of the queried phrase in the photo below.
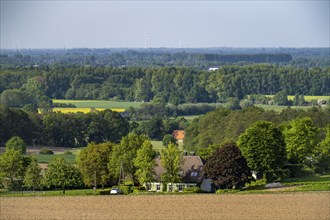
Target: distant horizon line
(142, 48)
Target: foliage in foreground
(62, 174)
(92, 161)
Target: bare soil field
(311, 205)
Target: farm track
(310, 205)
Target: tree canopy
(263, 146)
(62, 174)
(33, 176)
(124, 154)
(171, 160)
(11, 167)
(228, 168)
(144, 162)
(16, 143)
(93, 161)
(301, 138)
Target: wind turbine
(146, 38)
(14, 42)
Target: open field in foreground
(258, 206)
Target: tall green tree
(263, 146)
(33, 176)
(171, 160)
(93, 162)
(228, 168)
(167, 139)
(301, 138)
(281, 98)
(155, 128)
(123, 154)
(11, 167)
(61, 173)
(16, 143)
(323, 157)
(145, 163)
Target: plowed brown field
(198, 206)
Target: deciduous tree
(11, 167)
(61, 173)
(263, 146)
(16, 143)
(171, 160)
(33, 175)
(301, 139)
(144, 162)
(228, 168)
(124, 153)
(92, 161)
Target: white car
(116, 191)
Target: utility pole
(34, 146)
(94, 181)
(121, 174)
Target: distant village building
(213, 68)
(179, 135)
(191, 173)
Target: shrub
(16, 143)
(45, 151)
(68, 152)
(223, 191)
(105, 192)
(295, 170)
(194, 189)
(125, 189)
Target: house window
(158, 187)
(194, 174)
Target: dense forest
(223, 125)
(201, 58)
(175, 85)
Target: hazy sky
(104, 24)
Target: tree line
(223, 125)
(79, 129)
(96, 165)
(173, 85)
(63, 130)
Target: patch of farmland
(279, 108)
(99, 103)
(194, 206)
(307, 98)
(84, 110)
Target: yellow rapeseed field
(84, 110)
(309, 206)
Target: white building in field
(213, 68)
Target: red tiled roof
(179, 134)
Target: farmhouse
(191, 173)
(179, 135)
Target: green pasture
(158, 145)
(307, 98)
(99, 103)
(46, 158)
(57, 192)
(279, 108)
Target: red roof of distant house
(179, 134)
